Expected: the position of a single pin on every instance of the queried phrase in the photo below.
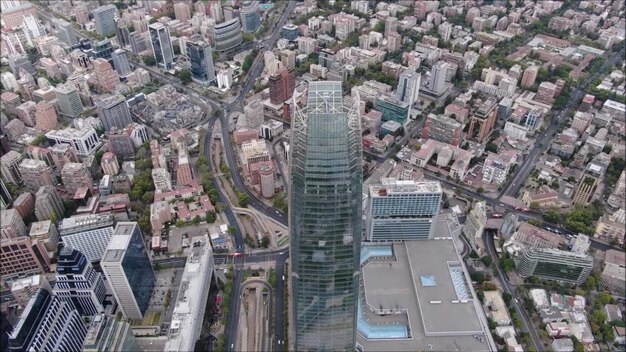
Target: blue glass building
(127, 267)
(325, 220)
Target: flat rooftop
(190, 305)
(423, 284)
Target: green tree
(589, 284)
(147, 197)
(231, 230)
(265, 241)
(491, 148)
(210, 217)
(196, 220)
(487, 260)
(184, 76)
(506, 297)
(180, 223)
(148, 60)
(603, 298)
(552, 216)
(507, 264)
(242, 198)
(534, 206)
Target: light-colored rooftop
(426, 284)
(190, 305)
(395, 186)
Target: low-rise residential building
(544, 197)
(496, 309)
(614, 273)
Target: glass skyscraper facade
(161, 45)
(201, 60)
(325, 220)
(127, 266)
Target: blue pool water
(375, 251)
(266, 6)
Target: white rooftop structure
(190, 305)
(393, 185)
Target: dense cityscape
(313, 175)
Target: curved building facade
(228, 35)
(554, 264)
(325, 220)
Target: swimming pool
(375, 251)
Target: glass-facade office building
(402, 210)
(161, 45)
(127, 267)
(554, 264)
(325, 220)
(201, 60)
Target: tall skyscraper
(250, 17)
(114, 112)
(120, 62)
(78, 283)
(104, 18)
(402, 210)
(106, 77)
(128, 270)
(325, 219)
(161, 45)
(48, 324)
(201, 59)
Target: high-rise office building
(250, 17)
(78, 283)
(45, 116)
(65, 32)
(325, 219)
(408, 87)
(282, 85)
(128, 270)
(555, 264)
(48, 324)
(227, 35)
(438, 77)
(68, 100)
(89, 234)
(161, 45)
(201, 59)
(48, 204)
(120, 62)
(114, 112)
(402, 210)
(104, 18)
(21, 257)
